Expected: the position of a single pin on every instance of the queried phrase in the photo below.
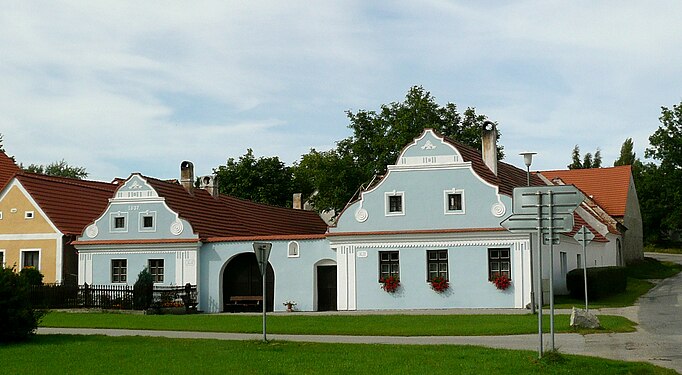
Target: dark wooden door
(242, 278)
(326, 288)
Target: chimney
(187, 175)
(208, 183)
(297, 201)
(489, 145)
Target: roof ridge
(89, 184)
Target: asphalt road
(658, 339)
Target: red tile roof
(69, 203)
(226, 216)
(608, 187)
(7, 169)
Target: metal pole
(584, 230)
(539, 269)
(264, 272)
(530, 248)
(551, 271)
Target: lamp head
(528, 157)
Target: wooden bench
(246, 300)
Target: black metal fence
(61, 296)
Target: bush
(32, 276)
(143, 290)
(18, 318)
(601, 282)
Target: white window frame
(141, 217)
(21, 257)
(387, 203)
(293, 245)
(163, 269)
(2, 261)
(563, 263)
(112, 222)
(446, 202)
(0, 215)
(29, 215)
(111, 271)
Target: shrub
(143, 290)
(601, 282)
(32, 276)
(18, 318)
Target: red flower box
(390, 284)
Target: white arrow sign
(565, 199)
(529, 223)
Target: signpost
(262, 250)
(584, 236)
(549, 211)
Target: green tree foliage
(32, 276)
(265, 180)
(627, 154)
(59, 168)
(660, 190)
(18, 318)
(588, 160)
(378, 137)
(143, 290)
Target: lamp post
(528, 160)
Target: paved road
(658, 339)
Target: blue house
(435, 213)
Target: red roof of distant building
(607, 186)
(226, 216)
(70, 204)
(7, 169)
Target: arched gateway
(243, 286)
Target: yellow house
(40, 216)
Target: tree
(627, 155)
(588, 160)
(143, 290)
(377, 139)
(661, 193)
(59, 168)
(18, 318)
(264, 180)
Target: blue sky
(120, 87)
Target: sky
(119, 87)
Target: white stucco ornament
(428, 146)
(92, 231)
(176, 228)
(361, 215)
(498, 209)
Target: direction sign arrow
(584, 235)
(529, 223)
(565, 199)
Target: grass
(638, 274)
(128, 355)
(357, 325)
(669, 248)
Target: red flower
(439, 284)
(501, 281)
(390, 284)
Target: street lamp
(528, 160)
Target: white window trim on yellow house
(56, 235)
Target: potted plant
(390, 284)
(501, 281)
(290, 305)
(439, 284)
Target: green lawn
(148, 355)
(361, 325)
(670, 248)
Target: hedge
(601, 282)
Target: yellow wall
(16, 232)
(15, 222)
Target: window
(389, 264)
(119, 270)
(453, 201)
(499, 263)
(156, 269)
(2, 258)
(30, 258)
(0, 215)
(578, 261)
(29, 215)
(293, 249)
(119, 223)
(147, 222)
(437, 264)
(395, 203)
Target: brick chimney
(187, 175)
(489, 145)
(297, 201)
